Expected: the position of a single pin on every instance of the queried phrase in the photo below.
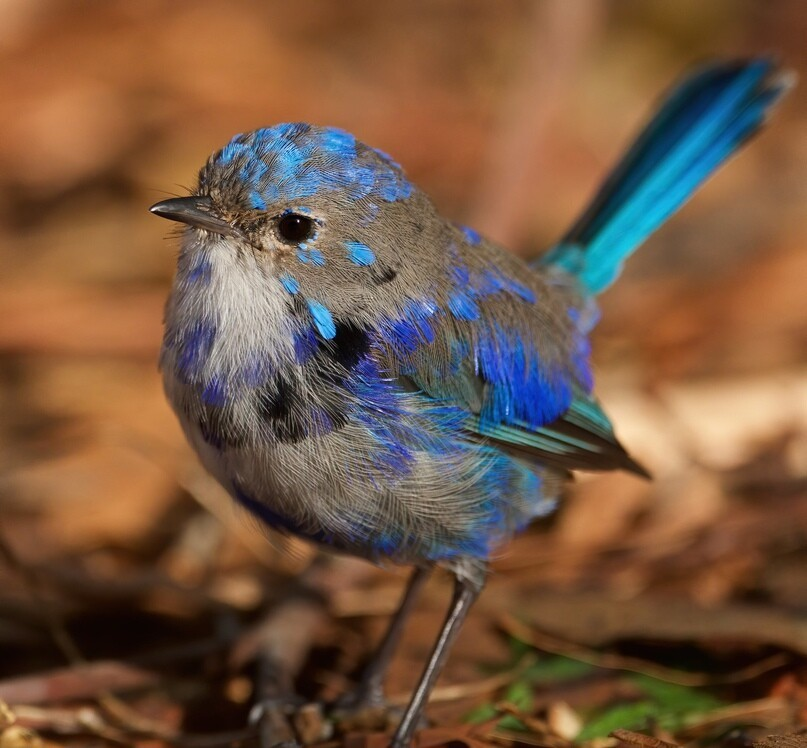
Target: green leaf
(548, 670)
(669, 705)
(629, 716)
(519, 694)
(675, 697)
(480, 714)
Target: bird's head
(328, 216)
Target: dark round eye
(294, 228)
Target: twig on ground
(610, 661)
(637, 738)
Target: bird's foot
(364, 696)
(363, 708)
(366, 708)
(273, 717)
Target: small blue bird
(358, 371)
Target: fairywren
(361, 372)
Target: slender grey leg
(465, 593)
(370, 691)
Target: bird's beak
(194, 211)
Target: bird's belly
(351, 492)
(259, 478)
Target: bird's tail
(703, 121)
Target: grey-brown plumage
(361, 372)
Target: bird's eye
(294, 228)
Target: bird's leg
(370, 691)
(466, 590)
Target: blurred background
(508, 114)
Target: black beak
(194, 211)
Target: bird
(362, 373)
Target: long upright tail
(704, 120)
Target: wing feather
(506, 344)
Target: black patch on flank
(381, 274)
(291, 418)
(299, 405)
(350, 344)
(281, 406)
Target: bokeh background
(508, 114)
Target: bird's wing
(581, 439)
(513, 354)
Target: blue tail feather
(701, 124)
